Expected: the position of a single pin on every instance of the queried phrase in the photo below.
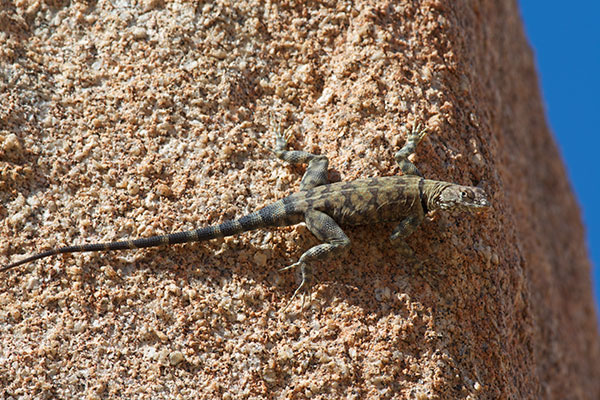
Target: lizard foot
(412, 140)
(305, 285)
(281, 138)
(417, 134)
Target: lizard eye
(466, 194)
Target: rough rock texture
(126, 119)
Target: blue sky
(566, 40)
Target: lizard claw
(417, 134)
(294, 265)
(305, 286)
(281, 138)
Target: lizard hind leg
(327, 230)
(412, 140)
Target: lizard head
(461, 198)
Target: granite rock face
(127, 120)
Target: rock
(501, 309)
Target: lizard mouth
(483, 204)
(479, 207)
(482, 208)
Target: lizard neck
(429, 192)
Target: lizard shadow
(373, 281)
(376, 280)
(367, 276)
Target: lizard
(323, 207)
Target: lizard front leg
(414, 137)
(327, 230)
(404, 229)
(316, 172)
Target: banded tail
(272, 215)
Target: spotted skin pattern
(324, 206)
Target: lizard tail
(272, 215)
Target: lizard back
(363, 201)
